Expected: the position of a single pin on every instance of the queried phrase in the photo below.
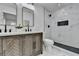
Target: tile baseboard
(70, 48)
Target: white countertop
(18, 33)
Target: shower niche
(63, 23)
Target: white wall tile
(68, 35)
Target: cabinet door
(27, 45)
(1, 47)
(37, 44)
(11, 46)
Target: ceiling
(53, 6)
(8, 4)
(49, 6)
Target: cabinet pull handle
(34, 44)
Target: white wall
(38, 18)
(47, 22)
(68, 35)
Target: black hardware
(25, 30)
(5, 28)
(48, 26)
(30, 29)
(9, 30)
(50, 15)
(0, 30)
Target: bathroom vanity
(15, 41)
(27, 44)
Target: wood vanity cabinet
(32, 45)
(1, 47)
(37, 47)
(27, 45)
(12, 46)
(21, 45)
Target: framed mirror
(10, 19)
(28, 17)
(9, 15)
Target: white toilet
(48, 44)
